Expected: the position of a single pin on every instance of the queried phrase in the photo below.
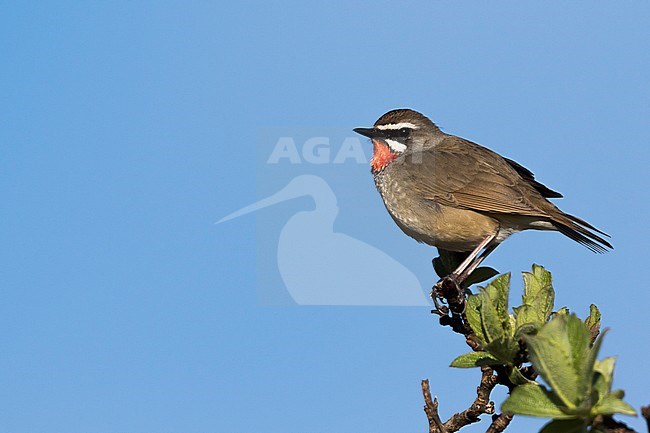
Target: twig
(499, 423)
(431, 409)
(454, 317)
(608, 424)
(645, 413)
(448, 291)
(481, 405)
(452, 293)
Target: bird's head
(398, 132)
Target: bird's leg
(449, 287)
(474, 255)
(467, 271)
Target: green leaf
(612, 403)
(526, 320)
(498, 291)
(511, 322)
(494, 309)
(603, 376)
(490, 320)
(619, 393)
(524, 314)
(524, 324)
(474, 359)
(533, 399)
(593, 322)
(590, 362)
(542, 275)
(487, 314)
(606, 368)
(581, 356)
(552, 356)
(564, 311)
(503, 349)
(539, 293)
(538, 299)
(516, 377)
(577, 425)
(473, 314)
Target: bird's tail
(582, 232)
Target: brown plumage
(454, 194)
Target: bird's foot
(440, 309)
(449, 289)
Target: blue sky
(128, 129)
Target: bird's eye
(405, 131)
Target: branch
(454, 317)
(450, 302)
(453, 295)
(481, 405)
(499, 423)
(431, 409)
(608, 424)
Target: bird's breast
(425, 220)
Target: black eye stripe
(397, 133)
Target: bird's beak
(366, 132)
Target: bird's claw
(449, 289)
(440, 309)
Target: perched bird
(457, 195)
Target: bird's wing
(529, 177)
(463, 174)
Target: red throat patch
(381, 156)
